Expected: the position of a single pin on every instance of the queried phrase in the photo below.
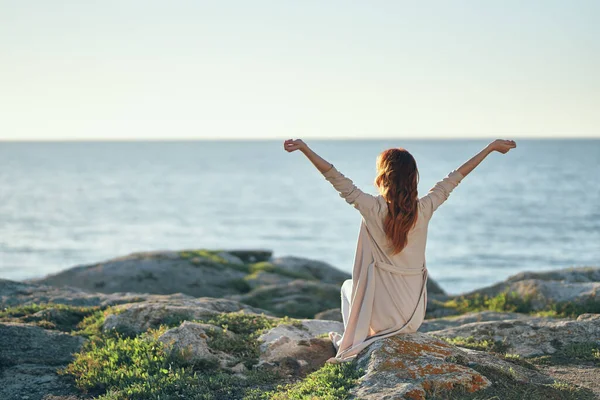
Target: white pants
(346, 293)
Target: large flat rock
(28, 344)
(419, 366)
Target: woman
(387, 294)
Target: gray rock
(454, 321)
(310, 328)
(297, 350)
(28, 344)
(19, 293)
(297, 299)
(433, 288)
(335, 314)
(264, 278)
(251, 256)
(569, 275)
(29, 359)
(532, 336)
(36, 382)
(157, 273)
(319, 270)
(230, 258)
(136, 318)
(190, 341)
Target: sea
(64, 204)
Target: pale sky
(123, 69)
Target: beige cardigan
(387, 294)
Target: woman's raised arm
(501, 146)
(440, 192)
(364, 202)
(293, 145)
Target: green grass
(246, 329)
(506, 387)
(570, 310)
(513, 302)
(331, 382)
(240, 285)
(472, 343)
(504, 302)
(588, 351)
(112, 366)
(517, 359)
(574, 353)
(268, 267)
(211, 255)
(60, 317)
(118, 363)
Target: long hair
(397, 179)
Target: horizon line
(126, 140)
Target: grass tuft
(331, 382)
(481, 345)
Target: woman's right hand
(502, 146)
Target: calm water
(63, 204)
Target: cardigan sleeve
(440, 192)
(362, 201)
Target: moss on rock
(513, 302)
(117, 367)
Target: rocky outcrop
(214, 274)
(532, 336)
(135, 318)
(572, 285)
(29, 359)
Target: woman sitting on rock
(387, 294)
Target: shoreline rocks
(251, 276)
(253, 290)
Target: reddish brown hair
(397, 179)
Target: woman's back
(413, 255)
